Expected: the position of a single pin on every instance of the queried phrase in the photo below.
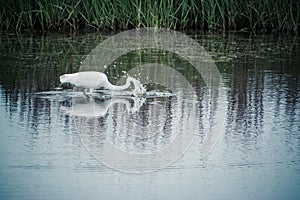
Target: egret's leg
(87, 97)
(91, 92)
(88, 94)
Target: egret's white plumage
(94, 80)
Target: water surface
(44, 156)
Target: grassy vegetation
(74, 15)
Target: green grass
(74, 15)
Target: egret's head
(138, 86)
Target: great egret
(97, 80)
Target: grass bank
(74, 15)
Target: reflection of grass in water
(71, 15)
(30, 64)
(36, 63)
(152, 56)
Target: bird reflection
(98, 105)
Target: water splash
(139, 88)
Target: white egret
(95, 80)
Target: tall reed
(74, 15)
